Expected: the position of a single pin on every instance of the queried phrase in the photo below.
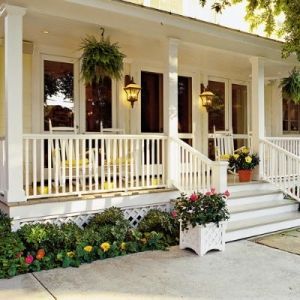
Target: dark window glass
(184, 104)
(291, 115)
(216, 114)
(58, 94)
(99, 105)
(239, 109)
(151, 102)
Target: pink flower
(174, 213)
(213, 190)
(193, 197)
(208, 193)
(29, 259)
(226, 193)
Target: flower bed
(45, 246)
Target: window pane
(184, 104)
(98, 105)
(151, 102)
(239, 109)
(58, 94)
(216, 114)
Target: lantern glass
(207, 98)
(132, 91)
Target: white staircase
(258, 208)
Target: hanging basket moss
(100, 59)
(291, 86)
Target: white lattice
(133, 214)
(202, 238)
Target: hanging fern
(291, 86)
(100, 59)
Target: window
(152, 102)
(99, 105)
(291, 116)
(239, 108)
(184, 104)
(58, 94)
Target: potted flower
(243, 162)
(202, 221)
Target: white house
(165, 140)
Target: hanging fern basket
(291, 86)
(100, 59)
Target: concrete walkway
(244, 271)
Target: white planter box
(202, 238)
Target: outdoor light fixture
(207, 98)
(132, 90)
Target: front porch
(168, 133)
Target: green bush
(109, 217)
(161, 222)
(11, 251)
(5, 223)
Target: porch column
(258, 103)
(171, 109)
(13, 59)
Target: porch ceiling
(142, 34)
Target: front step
(259, 208)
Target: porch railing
(2, 165)
(79, 164)
(290, 144)
(281, 168)
(194, 168)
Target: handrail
(281, 168)
(194, 169)
(290, 144)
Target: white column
(171, 108)
(258, 103)
(13, 57)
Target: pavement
(245, 270)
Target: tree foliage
(265, 12)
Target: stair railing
(281, 168)
(196, 172)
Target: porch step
(258, 208)
(248, 228)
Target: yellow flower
(144, 241)
(71, 254)
(236, 156)
(88, 248)
(105, 246)
(123, 246)
(245, 150)
(224, 157)
(248, 159)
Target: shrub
(161, 222)
(11, 251)
(5, 223)
(109, 217)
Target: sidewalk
(244, 271)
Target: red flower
(29, 259)
(213, 190)
(226, 193)
(193, 197)
(174, 213)
(208, 193)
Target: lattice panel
(133, 214)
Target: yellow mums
(88, 248)
(123, 246)
(236, 156)
(105, 246)
(71, 254)
(248, 159)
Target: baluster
(42, 183)
(70, 161)
(26, 167)
(34, 165)
(50, 148)
(77, 158)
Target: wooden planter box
(202, 238)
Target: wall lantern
(207, 98)
(132, 90)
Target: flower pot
(245, 175)
(202, 238)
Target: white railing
(63, 164)
(280, 168)
(2, 164)
(290, 144)
(194, 168)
